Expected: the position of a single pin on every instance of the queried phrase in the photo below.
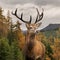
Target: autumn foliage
(12, 40)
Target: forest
(12, 40)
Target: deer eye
(30, 27)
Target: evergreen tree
(8, 16)
(2, 17)
(4, 49)
(1, 13)
(11, 34)
(3, 24)
(17, 54)
(10, 52)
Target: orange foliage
(20, 38)
(3, 29)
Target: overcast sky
(51, 10)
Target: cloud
(28, 10)
(38, 2)
(51, 9)
(48, 2)
(51, 14)
(13, 2)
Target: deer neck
(30, 36)
(30, 40)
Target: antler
(40, 16)
(15, 14)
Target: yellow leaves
(3, 29)
(21, 38)
(56, 48)
(53, 41)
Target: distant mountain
(48, 28)
(51, 27)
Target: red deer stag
(34, 49)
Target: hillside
(51, 27)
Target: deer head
(34, 26)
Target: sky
(51, 10)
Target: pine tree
(3, 24)
(4, 49)
(10, 34)
(17, 54)
(2, 17)
(1, 13)
(8, 16)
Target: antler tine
(15, 12)
(39, 15)
(30, 19)
(20, 18)
(42, 10)
(23, 20)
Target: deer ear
(39, 24)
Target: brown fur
(34, 49)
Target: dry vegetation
(52, 43)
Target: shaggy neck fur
(30, 40)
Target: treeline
(9, 48)
(52, 41)
(12, 40)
